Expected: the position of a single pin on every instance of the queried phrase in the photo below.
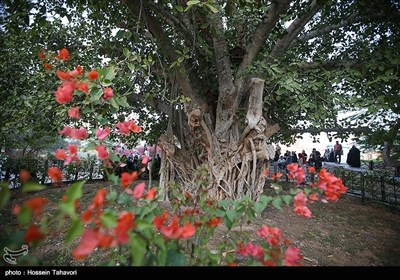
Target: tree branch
(164, 43)
(226, 98)
(316, 33)
(294, 29)
(154, 103)
(262, 31)
(319, 130)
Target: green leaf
(287, 199)
(109, 73)
(75, 191)
(131, 67)
(74, 231)
(142, 225)
(31, 187)
(231, 214)
(175, 258)
(5, 195)
(190, 4)
(126, 52)
(25, 215)
(179, 8)
(91, 146)
(138, 249)
(225, 203)
(114, 179)
(259, 207)
(68, 208)
(124, 199)
(227, 222)
(109, 220)
(212, 8)
(114, 103)
(123, 101)
(265, 199)
(276, 202)
(112, 196)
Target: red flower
(55, 174)
(47, 66)
(66, 131)
(84, 87)
(271, 235)
(78, 71)
(24, 175)
(126, 179)
(188, 231)
(98, 200)
(303, 211)
(292, 256)
(101, 134)
(36, 204)
(63, 54)
(108, 93)
(41, 56)
(311, 169)
(72, 149)
(214, 222)
(89, 241)
(60, 154)
(331, 185)
(125, 223)
(123, 128)
(33, 234)
(87, 216)
(138, 190)
(105, 240)
(266, 172)
(93, 75)
(134, 127)
(64, 93)
(79, 134)
(151, 194)
(74, 112)
(159, 221)
(102, 152)
(250, 249)
(145, 160)
(63, 76)
(313, 197)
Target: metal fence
(377, 186)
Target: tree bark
(235, 167)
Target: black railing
(376, 186)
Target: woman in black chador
(353, 157)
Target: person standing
(353, 157)
(338, 150)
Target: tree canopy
(192, 62)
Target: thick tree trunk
(236, 168)
(386, 154)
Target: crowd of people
(315, 159)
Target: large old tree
(228, 75)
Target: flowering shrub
(150, 234)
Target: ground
(345, 233)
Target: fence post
(362, 189)
(91, 170)
(371, 165)
(397, 171)
(383, 192)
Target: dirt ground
(345, 233)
